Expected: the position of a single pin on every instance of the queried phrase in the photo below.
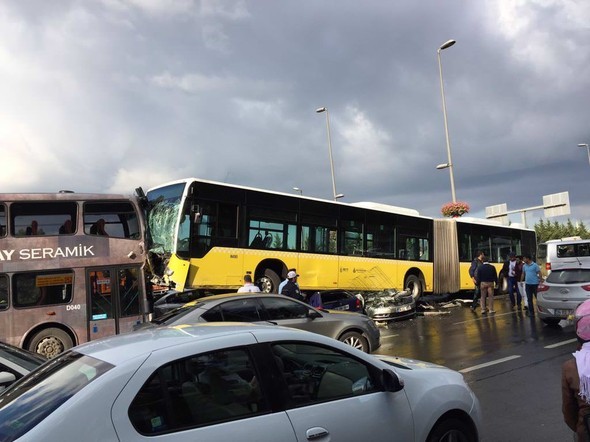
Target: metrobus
(71, 268)
(207, 235)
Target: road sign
(557, 204)
(499, 212)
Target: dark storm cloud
(115, 94)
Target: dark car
(15, 363)
(342, 300)
(173, 300)
(354, 329)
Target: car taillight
(358, 304)
(547, 266)
(586, 287)
(542, 288)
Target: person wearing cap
(509, 270)
(248, 286)
(282, 284)
(575, 378)
(291, 289)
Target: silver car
(235, 382)
(561, 292)
(354, 329)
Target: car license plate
(563, 312)
(342, 307)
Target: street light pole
(444, 46)
(319, 111)
(297, 189)
(587, 148)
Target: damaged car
(389, 305)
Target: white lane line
(487, 364)
(559, 344)
(388, 336)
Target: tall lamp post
(297, 189)
(449, 164)
(334, 194)
(587, 148)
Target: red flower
(455, 209)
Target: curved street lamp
(449, 164)
(587, 148)
(319, 111)
(297, 189)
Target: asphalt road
(511, 361)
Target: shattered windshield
(164, 207)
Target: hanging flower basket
(454, 210)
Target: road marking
(487, 364)
(559, 344)
(388, 336)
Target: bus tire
(50, 342)
(414, 285)
(269, 283)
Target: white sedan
(226, 382)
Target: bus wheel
(50, 342)
(414, 285)
(269, 283)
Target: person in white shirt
(248, 286)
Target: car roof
(119, 348)
(233, 295)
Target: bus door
(114, 299)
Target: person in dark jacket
(477, 261)
(291, 289)
(487, 277)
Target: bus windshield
(164, 209)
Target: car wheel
(356, 340)
(451, 430)
(269, 283)
(414, 284)
(50, 342)
(551, 321)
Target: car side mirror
(6, 378)
(312, 314)
(391, 381)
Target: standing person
(517, 279)
(531, 274)
(575, 377)
(248, 286)
(487, 277)
(282, 284)
(477, 261)
(509, 269)
(291, 289)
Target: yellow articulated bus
(71, 269)
(204, 235)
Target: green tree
(547, 230)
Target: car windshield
(33, 398)
(177, 313)
(24, 359)
(569, 276)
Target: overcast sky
(111, 95)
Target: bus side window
(2, 220)
(3, 292)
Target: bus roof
(61, 196)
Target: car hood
(408, 364)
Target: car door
(214, 395)
(334, 396)
(290, 313)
